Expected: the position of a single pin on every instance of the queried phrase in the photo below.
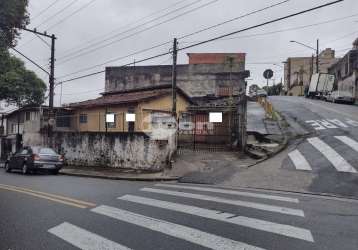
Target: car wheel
(7, 167)
(55, 172)
(24, 169)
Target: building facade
(143, 105)
(346, 72)
(298, 70)
(206, 74)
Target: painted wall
(143, 110)
(115, 150)
(193, 79)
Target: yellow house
(126, 111)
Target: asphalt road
(327, 144)
(63, 212)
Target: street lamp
(315, 49)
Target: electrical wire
(217, 38)
(70, 15)
(233, 19)
(29, 59)
(184, 36)
(20, 53)
(48, 45)
(44, 10)
(118, 58)
(76, 55)
(57, 13)
(124, 26)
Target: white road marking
(327, 124)
(182, 232)
(316, 125)
(350, 142)
(267, 226)
(353, 123)
(259, 206)
(299, 160)
(338, 161)
(338, 122)
(232, 192)
(84, 239)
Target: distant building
(206, 74)
(145, 104)
(346, 72)
(25, 126)
(298, 70)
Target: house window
(83, 118)
(63, 121)
(111, 120)
(28, 116)
(131, 123)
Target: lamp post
(315, 49)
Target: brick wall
(215, 58)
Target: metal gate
(195, 132)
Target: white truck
(320, 85)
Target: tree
(13, 16)
(274, 89)
(17, 84)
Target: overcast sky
(78, 24)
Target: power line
(130, 29)
(292, 28)
(20, 53)
(133, 34)
(118, 58)
(184, 36)
(128, 64)
(49, 18)
(70, 15)
(129, 24)
(48, 45)
(234, 19)
(44, 10)
(57, 13)
(216, 38)
(260, 25)
(33, 62)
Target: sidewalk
(255, 118)
(115, 174)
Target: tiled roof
(122, 98)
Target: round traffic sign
(268, 73)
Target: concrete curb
(282, 146)
(169, 178)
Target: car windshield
(43, 151)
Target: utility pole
(52, 72)
(51, 80)
(174, 78)
(317, 57)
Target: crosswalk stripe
(84, 239)
(337, 161)
(270, 208)
(350, 142)
(232, 192)
(286, 230)
(182, 232)
(299, 160)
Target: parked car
(340, 96)
(34, 159)
(261, 93)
